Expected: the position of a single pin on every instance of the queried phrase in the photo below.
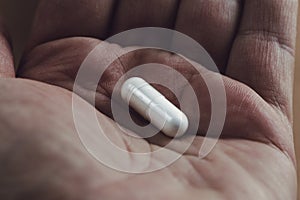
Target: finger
(212, 24)
(6, 58)
(263, 52)
(67, 18)
(133, 14)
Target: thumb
(6, 58)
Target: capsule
(154, 107)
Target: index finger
(262, 55)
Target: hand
(253, 45)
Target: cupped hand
(252, 42)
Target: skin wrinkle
(261, 184)
(131, 14)
(204, 26)
(66, 24)
(195, 176)
(273, 98)
(270, 90)
(218, 171)
(204, 161)
(42, 60)
(268, 36)
(281, 32)
(286, 165)
(245, 172)
(276, 143)
(186, 183)
(106, 87)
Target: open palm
(251, 41)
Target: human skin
(252, 43)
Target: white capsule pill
(154, 107)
